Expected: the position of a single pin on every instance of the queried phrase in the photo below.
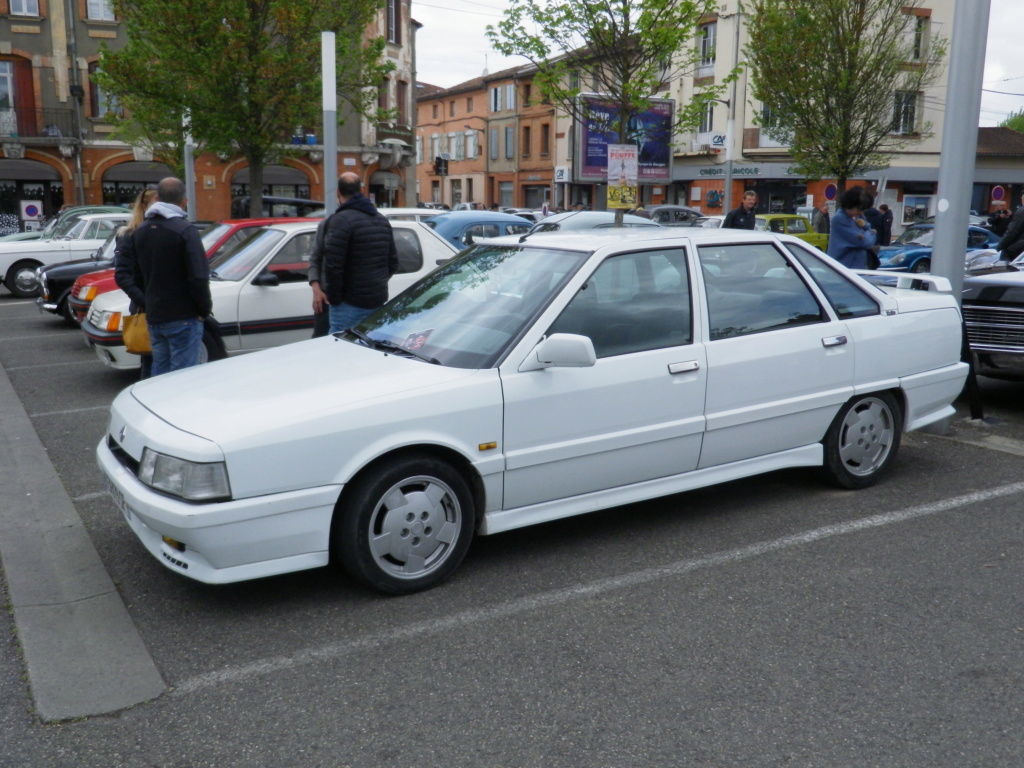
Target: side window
(777, 225)
(847, 299)
(92, 232)
(797, 227)
(479, 231)
(517, 229)
(291, 263)
(410, 252)
(632, 303)
(976, 239)
(752, 288)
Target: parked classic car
(223, 234)
(912, 250)
(261, 297)
(791, 224)
(525, 382)
(582, 220)
(19, 260)
(462, 228)
(674, 215)
(993, 307)
(56, 281)
(59, 225)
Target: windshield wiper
(390, 347)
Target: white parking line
(65, 413)
(37, 337)
(334, 651)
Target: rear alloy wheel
(924, 265)
(862, 442)
(405, 525)
(21, 280)
(65, 311)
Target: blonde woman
(123, 263)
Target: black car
(993, 308)
(56, 280)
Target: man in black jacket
(743, 216)
(359, 256)
(1012, 242)
(169, 266)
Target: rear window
(846, 299)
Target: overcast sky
(452, 48)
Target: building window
(496, 99)
(707, 118)
(394, 12)
(510, 96)
(434, 112)
(472, 147)
(382, 95)
(707, 35)
(458, 140)
(510, 142)
(919, 42)
(24, 7)
(545, 140)
(419, 150)
(402, 96)
(451, 108)
(904, 120)
(526, 141)
(435, 147)
(102, 104)
(494, 143)
(100, 10)
(527, 94)
(469, 104)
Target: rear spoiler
(917, 281)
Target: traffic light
(440, 166)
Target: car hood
(999, 287)
(274, 390)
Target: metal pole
(330, 99)
(190, 170)
(960, 139)
(730, 126)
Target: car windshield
(212, 234)
(469, 312)
(236, 262)
(917, 236)
(77, 229)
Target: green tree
(840, 80)
(1014, 121)
(240, 75)
(625, 50)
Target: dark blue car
(912, 251)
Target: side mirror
(266, 279)
(561, 350)
(441, 262)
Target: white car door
(275, 303)
(780, 364)
(638, 413)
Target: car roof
(590, 218)
(477, 216)
(592, 239)
(106, 216)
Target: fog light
(173, 544)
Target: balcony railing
(37, 123)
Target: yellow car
(791, 224)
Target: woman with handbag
(123, 271)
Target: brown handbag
(135, 333)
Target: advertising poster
(622, 175)
(650, 132)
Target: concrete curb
(83, 653)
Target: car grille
(122, 456)
(93, 317)
(995, 329)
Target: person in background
(743, 216)
(360, 256)
(820, 220)
(123, 254)
(321, 308)
(1012, 242)
(169, 265)
(885, 236)
(579, 206)
(999, 220)
(851, 240)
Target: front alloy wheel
(405, 526)
(862, 442)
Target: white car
(583, 220)
(408, 214)
(261, 296)
(19, 260)
(525, 382)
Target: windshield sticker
(414, 341)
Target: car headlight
(189, 480)
(106, 320)
(896, 259)
(87, 292)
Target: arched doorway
(27, 180)
(122, 183)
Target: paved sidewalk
(83, 654)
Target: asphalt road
(770, 622)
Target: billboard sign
(649, 131)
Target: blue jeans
(175, 345)
(344, 316)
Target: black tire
(65, 311)
(862, 442)
(405, 525)
(924, 265)
(21, 279)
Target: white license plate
(118, 498)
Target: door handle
(690, 365)
(833, 341)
